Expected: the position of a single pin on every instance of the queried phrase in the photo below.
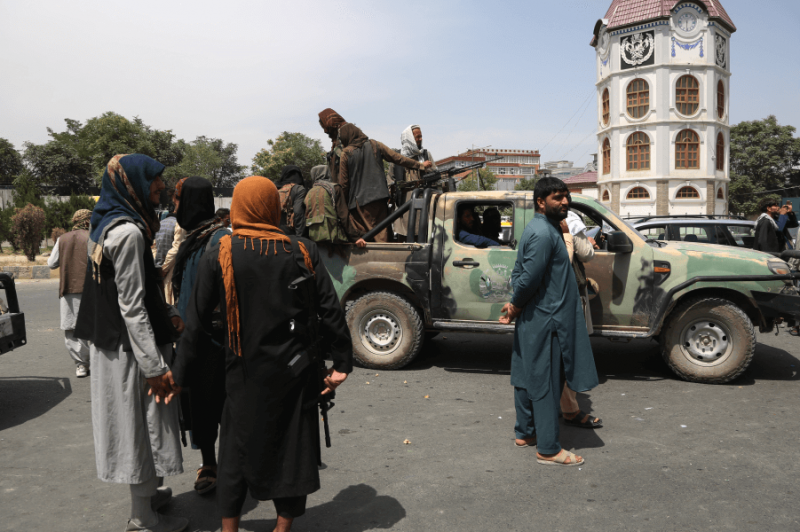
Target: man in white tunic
(69, 253)
(131, 329)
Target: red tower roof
(629, 12)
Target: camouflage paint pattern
(630, 292)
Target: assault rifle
(435, 179)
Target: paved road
(672, 455)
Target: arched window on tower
(638, 98)
(638, 149)
(720, 151)
(687, 193)
(720, 194)
(687, 95)
(606, 107)
(687, 150)
(606, 195)
(606, 156)
(720, 99)
(638, 193)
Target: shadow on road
(26, 398)
(356, 508)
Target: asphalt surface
(672, 455)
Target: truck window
(701, 234)
(743, 235)
(654, 232)
(484, 224)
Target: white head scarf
(408, 146)
(575, 223)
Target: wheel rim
(380, 332)
(706, 342)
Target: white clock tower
(663, 94)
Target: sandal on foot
(584, 420)
(206, 480)
(561, 458)
(529, 442)
(794, 332)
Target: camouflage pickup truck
(702, 302)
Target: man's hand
(511, 312)
(564, 227)
(177, 322)
(333, 380)
(163, 387)
(426, 165)
(361, 243)
(783, 210)
(592, 242)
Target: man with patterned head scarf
(131, 331)
(69, 253)
(278, 305)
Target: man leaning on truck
(550, 328)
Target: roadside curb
(30, 272)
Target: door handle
(466, 262)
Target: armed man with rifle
(279, 305)
(411, 147)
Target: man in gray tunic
(69, 253)
(131, 329)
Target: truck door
(476, 281)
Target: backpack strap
(306, 282)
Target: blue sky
(509, 74)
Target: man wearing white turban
(411, 147)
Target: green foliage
(26, 190)
(763, 156)
(7, 228)
(209, 158)
(288, 148)
(10, 162)
(526, 184)
(59, 213)
(28, 224)
(471, 184)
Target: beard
(555, 213)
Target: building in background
(663, 87)
(514, 166)
(584, 183)
(563, 169)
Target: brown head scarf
(255, 215)
(81, 218)
(350, 135)
(330, 121)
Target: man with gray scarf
(411, 147)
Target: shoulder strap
(305, 282)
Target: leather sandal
(585, 421)
(206, 480)
(560, 458)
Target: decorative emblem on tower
(637, 49)
(719, 50)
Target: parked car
(702, 302)
(736, 232)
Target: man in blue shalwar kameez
(550, 328)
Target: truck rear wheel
(386, 329)
(708, 340)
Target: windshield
(632, 228)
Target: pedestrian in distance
(363, 179)
(224, 216)
(69, 254)
(274, 294)
(202, 408)
(165, 234)
(131, 330)
(178, 235)
(772, 226)
(550, 329)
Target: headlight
(778, 267)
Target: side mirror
(618, 242)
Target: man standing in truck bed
(411, 147)
(363, 179)
(550, 328)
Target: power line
(573, 128)
(568, 121)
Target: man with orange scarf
(273, 292)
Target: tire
(387, 330)
(708, 340)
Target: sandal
(560, 459)
(795, 331)
(584, 420)
(529, 442)
(206, 480)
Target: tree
(288, 148)
(28, 226)
(526, 184)
(764, 156)
(471, 183)
(10, 162)
(209, 158)
(26, 190)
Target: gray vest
(367, 178)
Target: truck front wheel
(387, 330)
(708, 340)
